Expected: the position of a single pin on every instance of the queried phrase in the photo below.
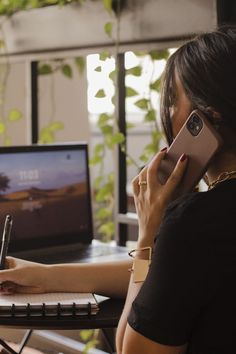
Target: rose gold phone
(199, 141)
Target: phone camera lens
(194, 125)
(191, 125)
(196, 119)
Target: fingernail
(183, 157)
(163, 149)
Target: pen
(5, 240)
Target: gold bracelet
(140, 267)
(142, 249)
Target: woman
(186, 304)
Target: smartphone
(200, 142)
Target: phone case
(199, 148)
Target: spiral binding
(13, 310)
(28, 310)
(74, 309)
(46, 310)
(58, 309)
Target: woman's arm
(105, 278)
(151, 199)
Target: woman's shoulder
(206, 201)
(188, 203)
(193, 211)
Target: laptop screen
(47, 191)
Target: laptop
(46, 189)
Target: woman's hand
(23, 277)
(151, 197)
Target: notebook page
(48, 299)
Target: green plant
(111, 137)
(47, 133)
(89, 336)
(10, 7)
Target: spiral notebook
(48, 305)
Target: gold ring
(142, 183)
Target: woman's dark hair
(206, 67)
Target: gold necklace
(221, 178)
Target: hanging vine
(47, 133)
(12, 115)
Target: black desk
(107, 317)
(109, 309)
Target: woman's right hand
(20, 276)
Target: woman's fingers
(177, 174)
(148, 173)
(135, 185)
(152, 171)
(148, 177)
(141, 177)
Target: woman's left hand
(151, 197)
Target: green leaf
(108, 29)
(100, 94)
(130, 92)
(117, 138)
(103, 119)
(142, 103)
(104, 193)
(135, 71)
(95, 160)
(148, 151)
(159, 54)
(104, 55)
(98, 181)
(112, 75)
(111, 177)
(44, 69)
(108, 5)
(14, 115)
(46, 136)
(80, 63)
(67, 70)
(98, 69)
(144, 157)
(90, 345)
(2, 128)
(156, 85)
(150, 116)
(86, 334)
(55, 126)
(107, 229)
(140, 53)
(98, 149)
(107, 129)
(34, 4)
(103, 213)
(113, 99)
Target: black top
(189, 294)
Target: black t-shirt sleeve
(179, 284)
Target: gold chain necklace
(221, 178)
